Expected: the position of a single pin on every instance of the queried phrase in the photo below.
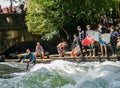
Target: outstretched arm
(24, 58)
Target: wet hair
(28, 50)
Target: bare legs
(103, 49)
(39, 54)
(92, 50)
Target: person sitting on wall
(31, 56)
(39, 50)
(61, 48)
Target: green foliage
(46, 17)
(40, 19)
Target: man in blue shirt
(113, 40)
(31, 57)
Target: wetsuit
(74, 43)
(113, 41)
(81, 37)
(32, 59)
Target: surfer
(74, 46)
(90, 46)
(103, 45)
(113, 40)
(80, 38)
(75, 41)
(31, 57)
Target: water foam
(64, 74)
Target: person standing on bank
(74, 46)
(103, 45)
(80, 38)
(91, 46)
(113, 40)
(75, 41)
(31, 57)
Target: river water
(61, 74)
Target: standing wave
(64, 74)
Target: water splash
(64, 74)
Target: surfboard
(106, 37)
(75, 50)
(94, 35)
(87, 41)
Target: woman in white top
(39, 50)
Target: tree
(48, 17)
(40, 19)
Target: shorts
(102, 42)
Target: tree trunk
(68, 36)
